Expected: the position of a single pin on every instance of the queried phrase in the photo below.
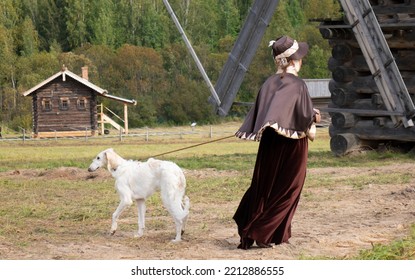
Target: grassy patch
(235, 161)
(218, 190)
(358, 180)
(398, 250)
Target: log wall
(68, 107)
(352, 86)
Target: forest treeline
(133, 49)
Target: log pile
(353, 88)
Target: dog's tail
(186, 207)
(186, 204)
(177, 204)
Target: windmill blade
(234, 70)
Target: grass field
(49, 200)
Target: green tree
(138, 74)
(126, 26)
(76, 22)
(73, 62)
(30, 71)
(27, 38)
(50, 24)
(153, 30)
(99, 59)
(9, 14)
(295, 12)
(101, 25)
(186, 103)
(8, 89)
(315, 63)
(199, 20)
(243, 8)
(33, 69)
(228, 23)
(322, 9)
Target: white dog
(136, 180)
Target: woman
(280, 119)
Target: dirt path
(330, 222)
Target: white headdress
(282, 59)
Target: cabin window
(46, 104)
(64, 104)
(81, 104)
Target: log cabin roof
(63, 73)
(318, 88)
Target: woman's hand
(317, 115)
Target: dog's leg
(184, 222)
(173, 205)
(115, 216)
(179, 225)
(141, 217)
(123, 204)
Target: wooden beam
(342, 144)
(125, 118)
(53, 134)
(102, 119)
(362, 112)
(369, 131)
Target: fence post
(147, 135)
(120, 134)
(211, 132)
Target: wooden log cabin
(65, 105)
(360, 118)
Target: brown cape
(284, 104)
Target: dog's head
(100, 160)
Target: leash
(189, 147)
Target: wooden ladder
(104, 118)
(380, 60)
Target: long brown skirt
(268, 206)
